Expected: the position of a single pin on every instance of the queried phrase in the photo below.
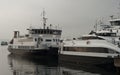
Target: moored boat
(4, 43)
(44, 40)
(99, 47)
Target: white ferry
(99, 47)
(44, 40)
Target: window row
(25, 47)
(87, 49)
(47, 40)
(56, 32)
(54, 40)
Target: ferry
(101, 46)
(44, 40)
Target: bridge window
(106, 34)
(48, 40)
(35, 39)
(115, 23)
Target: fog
(75, 17)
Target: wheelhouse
(115, 22)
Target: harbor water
(39, 65)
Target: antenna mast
(44, 19)
(95, 26)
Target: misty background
(75, 17)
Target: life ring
(88, 42)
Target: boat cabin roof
(104, 31)
(114, 20)
(89, 37)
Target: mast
(95, 26)
(44, 19)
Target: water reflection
(36, 65)
(33, 65)
(85, 69)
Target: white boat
(99, 47)
(3, 43)
(44, 40)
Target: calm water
(36, 65)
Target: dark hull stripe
(51, 51)
(87, 49)
(85, 59)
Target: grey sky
(76, 17)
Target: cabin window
(35, 39)
(50, 31)
(18, 46)
(41, 31)
(55, 32)
(47, 31)
(38, 31)
(48, 40)
(56, 40)
(65, 49)
(87, 38)
(119, 38)
(86, 49)
(107, 34)
(35, 31)
(44, 31)
(41, 39)
(117, 23)
(59, 32)
(113, 34)
(53, 40)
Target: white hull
(95, 52)
(92, 44)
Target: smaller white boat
(3, 43)
(99, 47)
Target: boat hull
(70, 59)
(50, 51)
